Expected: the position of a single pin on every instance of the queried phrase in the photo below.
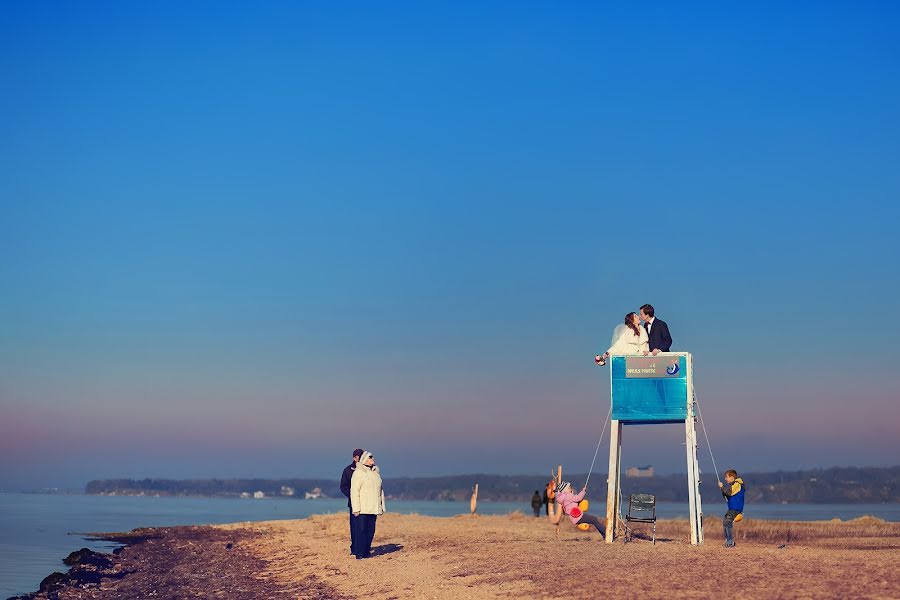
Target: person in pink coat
(569, 503)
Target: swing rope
(706, 435)
(600, 441)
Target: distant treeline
(817, 486)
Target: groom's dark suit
(659, 336)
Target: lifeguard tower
(649, 390)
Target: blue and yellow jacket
(735, 495)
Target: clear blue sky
(242, 240)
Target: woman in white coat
(367, 502)
(629, 338)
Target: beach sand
(513, 556)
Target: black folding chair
(641, 509)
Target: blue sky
(244, 240)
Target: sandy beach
(512, 556)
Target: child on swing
(569, 503)
(733, 491)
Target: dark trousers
(728, 525)
(591, 520)
(352, 531)
(365, 533)
(537, 510)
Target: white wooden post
(612, 482)
(693, 465)
(698, 506)
(691, 475)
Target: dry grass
(863, 532)
(833, 534)
(806, 532)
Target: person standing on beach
(659, 338)
(536, 503)
(366, 502)
(345, 489)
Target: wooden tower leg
(559, 511)
(698, 505)
(693, 465)
(693, 469)
(613, 480)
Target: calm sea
(38, 530)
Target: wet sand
(511, 556)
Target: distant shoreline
(837, 485)
(393, 498)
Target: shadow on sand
(646, 537)
(386, 549)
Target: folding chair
(641, 509)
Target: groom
(346, 477)
(657, 331)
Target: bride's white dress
(624, 341)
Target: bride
(628, 338)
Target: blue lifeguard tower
(650, 390)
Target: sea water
(38, 530)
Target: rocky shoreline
(87, 569)
(170, 562)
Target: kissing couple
(641, 334)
